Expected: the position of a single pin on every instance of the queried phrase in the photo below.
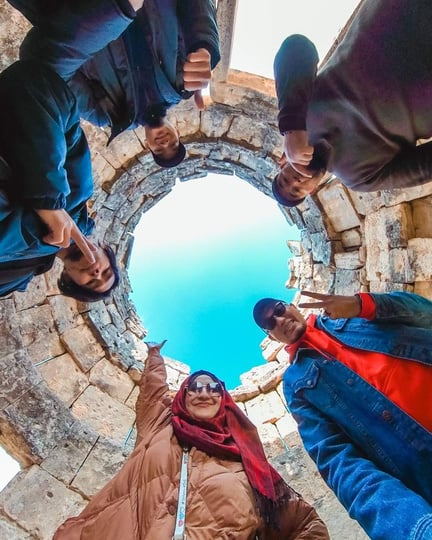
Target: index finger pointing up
(83, 244)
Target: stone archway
(65, 365)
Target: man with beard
(45, 182)
(165, 54)
(358, 386)
(364, 111)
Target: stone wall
(69, 370)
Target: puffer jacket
(141, 500)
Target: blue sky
(201, 259)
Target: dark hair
(84, 294)
(171, 162)
(281, 199)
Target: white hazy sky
(260, 29)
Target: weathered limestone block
(35, 294)
(300, 267)
(351, 239)
(64, 378)
(98, 315)
(51, 278)
(244, 392)
(41, 418)
(296, 248)
(286, 425)
(323, 278)
(132, 398)
(65, 313)
(385, 287)
(350, 260)
(265, 408)
(420, 258)
(400, 266)
(421, 214)
(82, 346)
(272, 443)
(11, 531)
(111, 380)
(66, 459)
(36, 324)
(322, 248)
(245, 130)
(216, 121)
(349, 281)
(10, 336)
(270, 380)
(338, 207)
(185, 117)
(366, 203)
(17, 375)
(123, 149)
(115, 344)
(398, 196)
(34, 493)
(116, 318)
(103, 413)
(103, 462)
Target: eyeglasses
(278, 310)
(212, 388)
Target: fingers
(301, 169)
(199, 101)
(57, 239)
(84, 245)
(318, 296)
(197, 70)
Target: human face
(285, 323)
(203, 405)
(162, 140)
(98, 276)
(293, 186)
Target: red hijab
(231, 435)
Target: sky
(201, 259)
(238, 261)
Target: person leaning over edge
(231, 490)
(165, 54)
(45, 182)
(362, 113)
(358, 386)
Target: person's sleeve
(411, 167)
(70, 33)
(198, 21)
(39, 113)
(377, 500)
(298, 520)
(403, 308)
(295, 67)
(153, 399)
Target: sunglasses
(212, 388)
(278, 310)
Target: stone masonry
(68, 371)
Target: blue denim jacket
(376, 458)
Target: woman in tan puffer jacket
(232, 490)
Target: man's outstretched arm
(377, 500)
(295, 67)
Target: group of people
(357, 379)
